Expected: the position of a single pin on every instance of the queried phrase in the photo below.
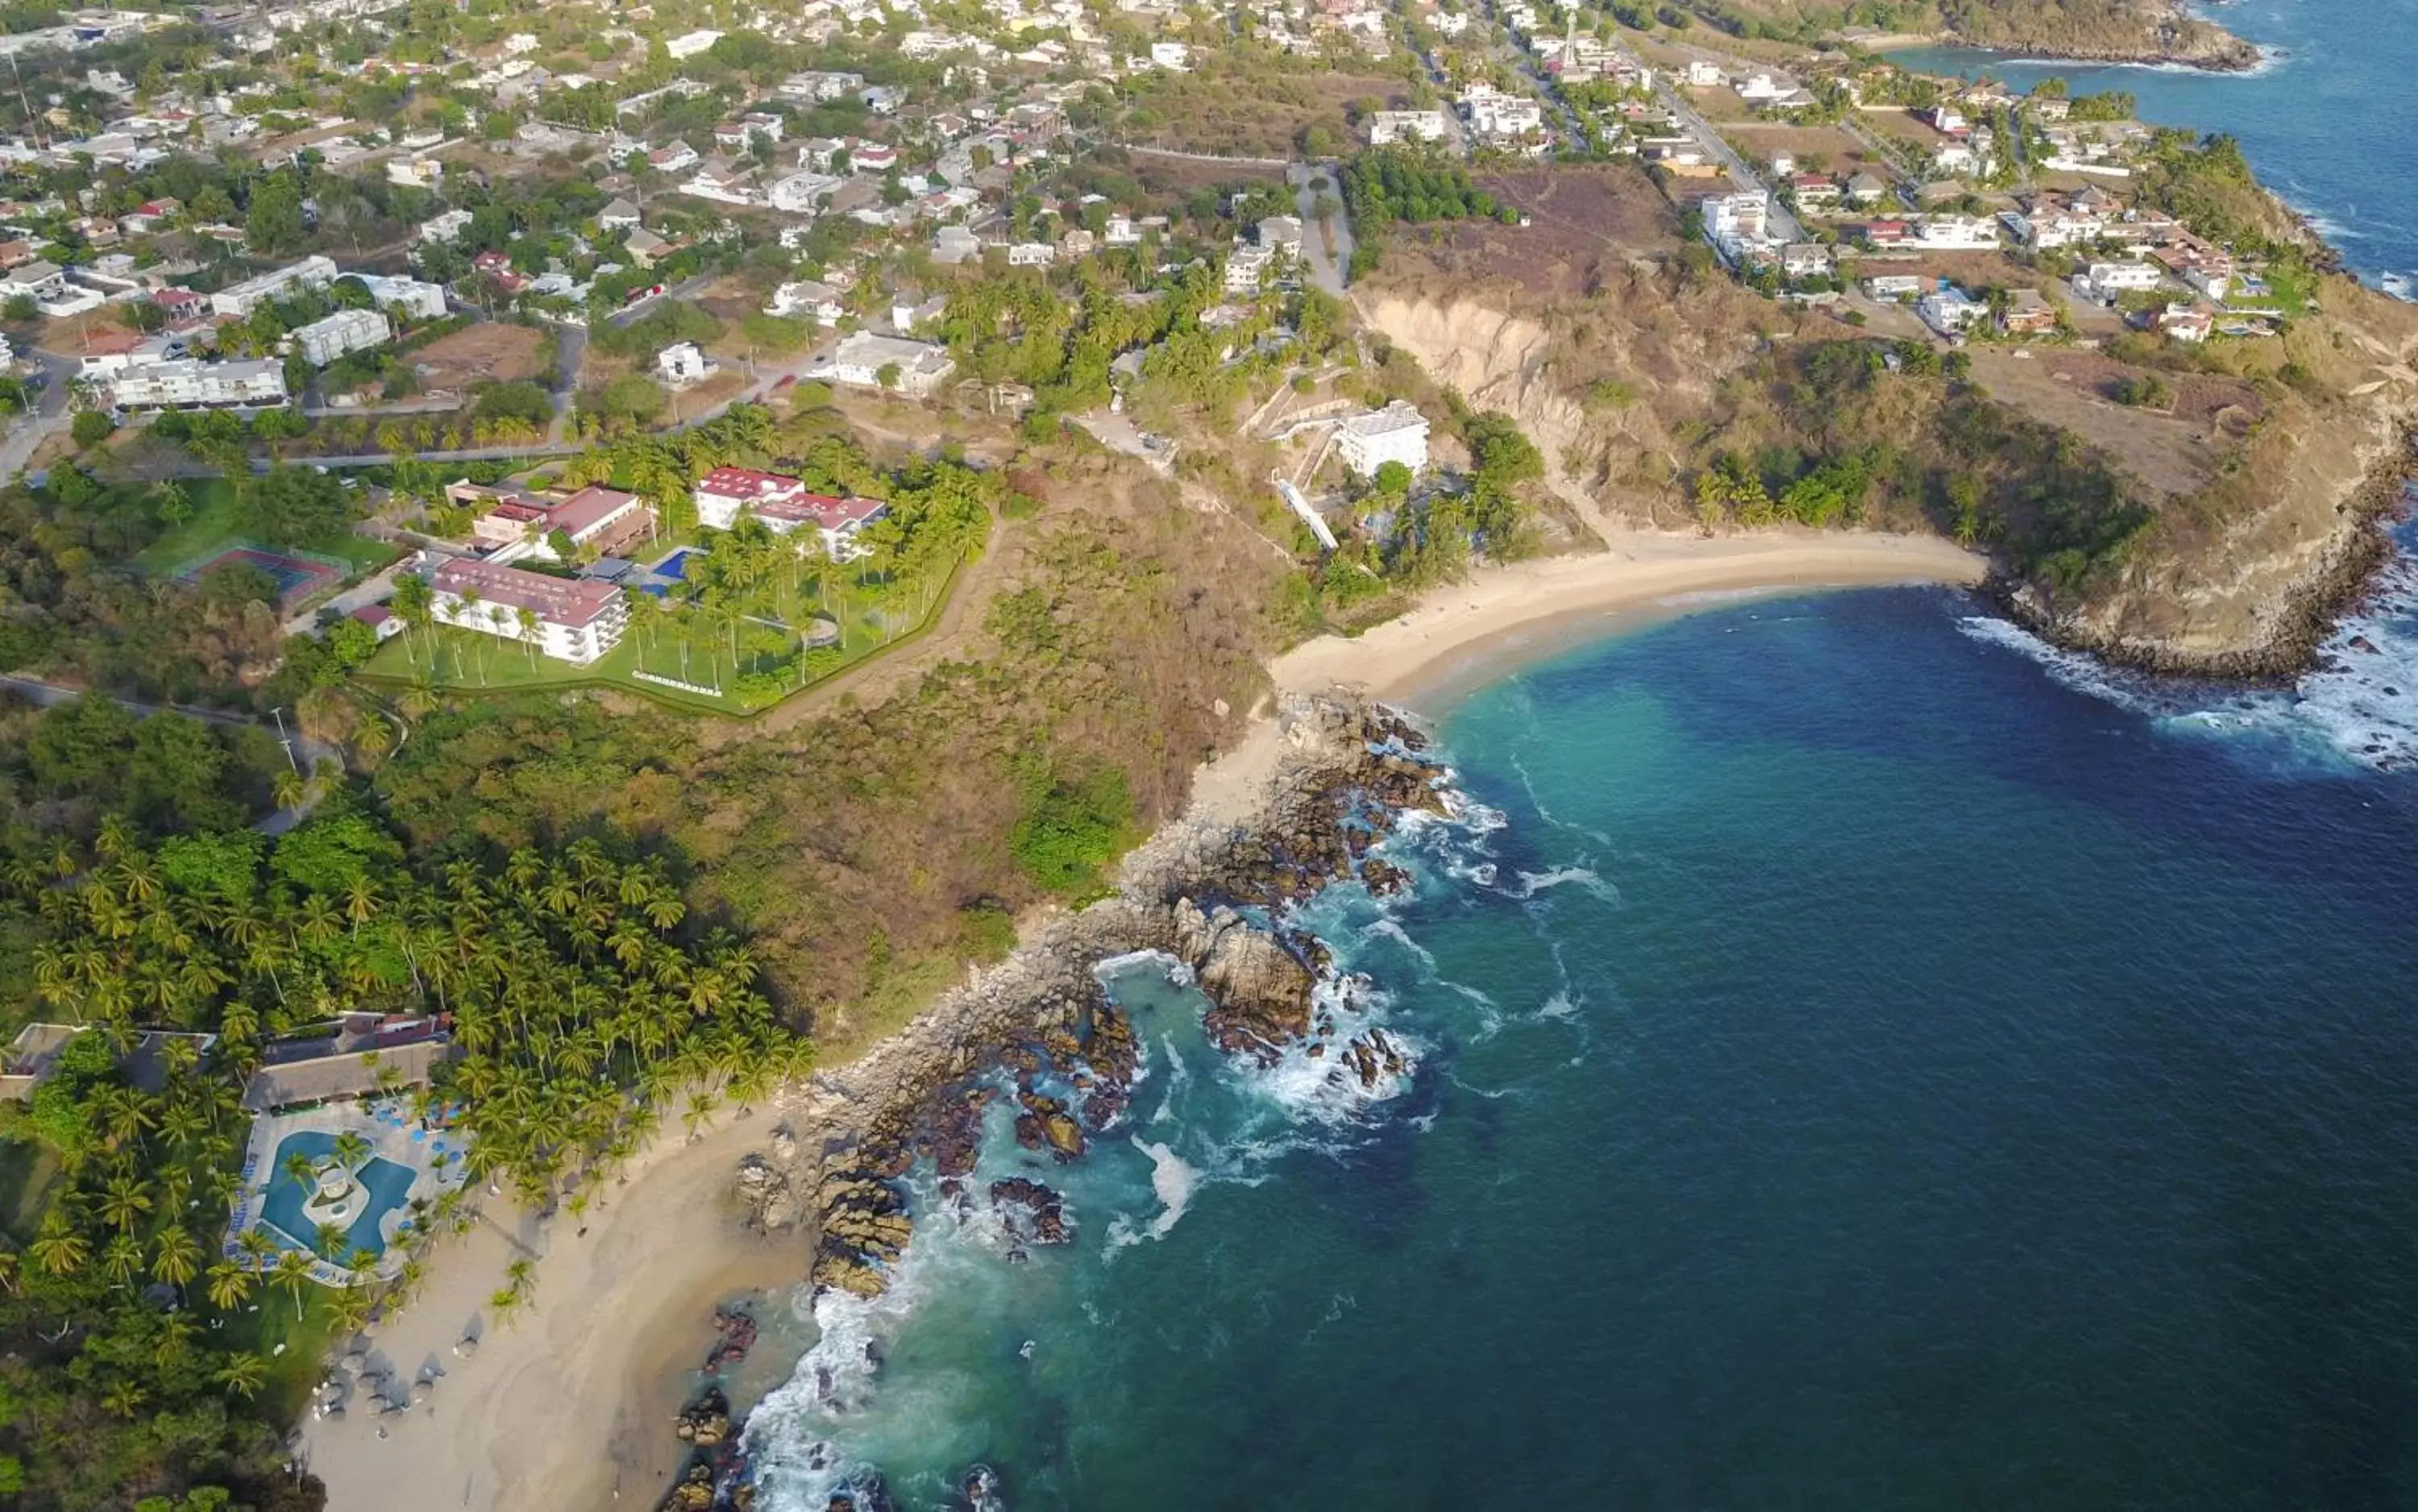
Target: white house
(1174, 56)
(683, 364)
(689, 44)
(323, 341)
(416, 300)
(618, 215)
(444, 228)
(241, 299)
(1369, 440)
(1957, 232)
(861, 359)
(1950, 310)
(1386, 127)
(818, 302)
(574, 619)
(801, 191)
(206, 385)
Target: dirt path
(875, 680)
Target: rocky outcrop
(1034, 1213)
(2255, 604)
(1258, 989)
(1192, 892)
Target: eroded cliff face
(1498, 360)
(2241, 578)
(1652, 350)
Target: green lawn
(211, 527)
(216, 524)
(872, 618)
(28, 1170)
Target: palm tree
(179, 1257)
(351, 1149)
(243, 1374)
(229, 1284)
(124, 1203)
(121, 1258)
(59, 1251)
(329, 1239)
(293, 1272)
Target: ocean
(1852, 1070)
(1859, 1057)
(2325, 120)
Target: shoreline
(1502, 619)
(572, 1404)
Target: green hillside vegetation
(131, 1362)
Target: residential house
(618, 215)
(2028, 314)
(862, 361)
(683, 364)
(1950, 310)
(1866, 189)
(1386, 127)
(819, 302)
(1369, 440)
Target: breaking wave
(2359, 706)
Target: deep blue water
(2327, 123)
(1854, 1071)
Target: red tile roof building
(576, 620)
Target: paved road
(570, 351)
(1326, 271)
(1783, 224)
(686, 289)
(49, 417)
(302, 748)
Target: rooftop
(558, 601)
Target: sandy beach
(1473, 631)
(571, 1405)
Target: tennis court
(297, 577)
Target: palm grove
(136, 1353)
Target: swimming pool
(675, 565)
(385, 1184)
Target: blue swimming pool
(675, 565)
(386, 1183)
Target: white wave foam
(1179, 1077)
(1560, 1005)
(2361, 704)
(1172, 1182)
(1311, 1080)
(1108, 969)
(1386, 926)
(1584, 879)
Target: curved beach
(571, 1404)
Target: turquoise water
(1854, 1071)
(388, 1184)
(2326, 123)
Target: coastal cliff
(2217, 531)
(2099, 31)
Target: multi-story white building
(347, 331)
(1367, 441)
(785, 504)
(201, 385)
(571, 620)
(241, 299)
(1958, 233)
(411, 297)
(1246, 266)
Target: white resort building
(575, 620)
